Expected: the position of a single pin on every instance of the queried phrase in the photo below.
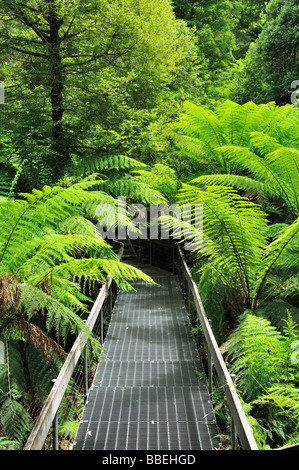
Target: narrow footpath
(151, 392)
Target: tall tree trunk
(60, 154)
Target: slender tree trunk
(60, 155)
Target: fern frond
(196, 149)
(15, 420)
(133, 189)
(278, 170)
(258, 355)
(212, 290)
(236, 181)
(23, 221)
(202, 123)
(93, 164)
(5, 185)
(277, 311)
(41, 371)
(260, 168)
(234, 232)
(253, 333)
(285, 398)
(6, 444)
(262, 144)
(57, 315)
(238, 120)
(14, 416)
(250, 157)
(201, 128)
(286, 240)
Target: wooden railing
(48, 415)
(240, 428)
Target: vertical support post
(55, 433)
(173, 259)
(188, 299)
(233, 427)
(210, 368)
(111, 298)
(102, 326)
(85, 372)
(210, 373)
(55, 429)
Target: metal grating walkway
(148, 395)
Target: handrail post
(85, 372)
(102, 326)
(233, 427)
(173, 259)
(55, 433)
(111, 298)
(188, 299)
(210, 367)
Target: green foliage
(253, 148)
(266, 375)
(271, 64)
(14, 417)
(6, 444)
(234, 235)
(161, 178)
(248, 258)
(46, 259)
(5, 185)
(48, 251)
(257, 354)
(88, 78)
(91, 91)
(277, 311)
(236, 265)
(214, 23)
(250, 15)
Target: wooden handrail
(238, 416)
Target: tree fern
(47, 262)
(285, 399)
(5, 184)
(249, 147)
(234, 235)
(275, 175)
(117, 177)
(236, 246)
(94, 164)
(48, 251)
(282, 250)
(259, 355)
(266, 375)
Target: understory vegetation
(157, 102)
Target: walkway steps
(150, 394)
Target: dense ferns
(49, 248)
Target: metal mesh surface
(149, 394)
